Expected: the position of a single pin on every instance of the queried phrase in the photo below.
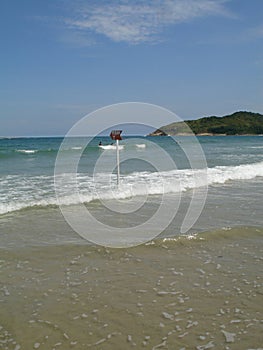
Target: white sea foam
(111, 147)
(27, 151)
(140, 145)
(19, 191)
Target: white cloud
(139, 21)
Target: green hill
(239, 123)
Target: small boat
(110, 147)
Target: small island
(238, 123)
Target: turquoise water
(233, 172)
(196, 290)
(37, 155)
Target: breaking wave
(19, 191)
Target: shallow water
(200, 290)
(186, 293)
(228, 205)
(28, 165)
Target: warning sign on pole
(116, 134)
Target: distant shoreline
(237, 124)
(207, 134)
(203, 134)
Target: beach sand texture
(197, 292)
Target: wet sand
(199, 293)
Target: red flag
(116, 134)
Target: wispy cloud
(139, 21)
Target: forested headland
(238, 123)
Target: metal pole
(118, 162)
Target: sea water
(199, 289)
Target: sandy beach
(200, 292)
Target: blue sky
(61, 59)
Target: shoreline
(203, 134)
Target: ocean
(171, 258)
